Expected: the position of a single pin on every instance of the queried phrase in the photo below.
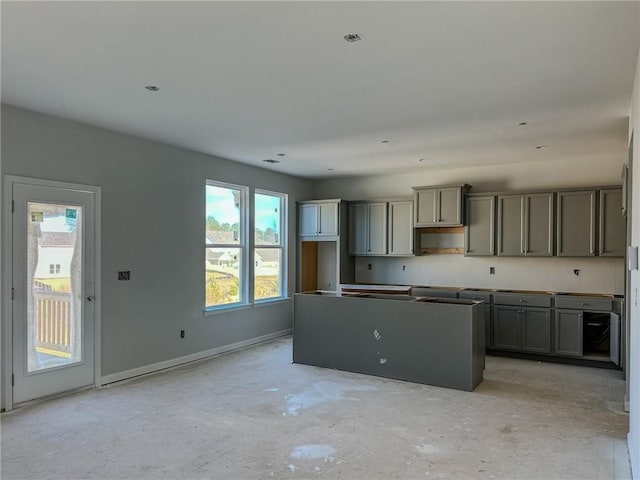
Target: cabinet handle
(522, 301)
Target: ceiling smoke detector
(352, 37)
(152, 88)
(541, 147)
(281, 154)
(522, 124)
(271, 160)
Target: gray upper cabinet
(480, 231)
(439, 206)
(318, 218)
(612, 236)
(511, 225)
(358, 226)
(525, 225)
(576, 222)
(401, 227)
(368, 228)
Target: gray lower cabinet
(612, 225)
(568, 333)
(523, 329)
(576, 224)
(536, 330)
(507, 328)
(479, 234)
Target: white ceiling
(447, 82)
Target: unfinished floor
(252, 414)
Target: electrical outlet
(368, 266)
(124, 275)
(404, 267)
(492, 270)
(181, 333)
(576, 272)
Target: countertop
(382, 288)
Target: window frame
(243, 245)
(282, 246)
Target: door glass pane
(223, 266)
(54, 285)
(223, 215)
(267, 273)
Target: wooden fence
(53, 322)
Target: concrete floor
(252, 414)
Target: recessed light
(281, 154)
(330, 169)
(271, 160)
(352, 37)
(421, 159)
(152, 88)
(384, 141)
(522, 124)
(540, 147)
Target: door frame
(6, 330)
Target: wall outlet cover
(124, 275)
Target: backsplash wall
(596, 275)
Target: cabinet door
(308, 219)
(539, 225)
(377, 228)
(511, 225)
(425, 201)
(449, 207)
(614, 338)
(507, 328)
(488, 322)
(357, 228)
(401, 228)
(328, 223)
(575, 230)
(536, 330)
(568, 333)
(480, 230)
(612, 238)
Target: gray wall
(152, 224)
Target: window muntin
(269, 255)
(225, 245)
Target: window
(225, 245)
(269, 257)
(54, 268)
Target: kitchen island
(435, 341)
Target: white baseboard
(156, 367)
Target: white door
(53, 281)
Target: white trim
(6, 335)
(156, 367)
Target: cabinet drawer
(522, 299)
(484, 296)
(584, 303)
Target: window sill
(271, 301)
(245, 306)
